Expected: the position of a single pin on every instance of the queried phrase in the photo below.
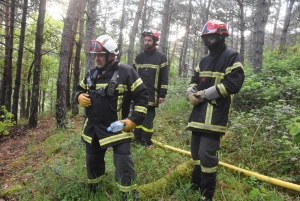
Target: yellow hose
(246, 172)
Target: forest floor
(15, 145)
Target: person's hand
(190, 90)
(196, 98)
(161, 100)
(84, 100)
(129, 125)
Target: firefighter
(219, 75)
(106, 93)
(152, 66)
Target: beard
(148, 47)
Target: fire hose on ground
(261, 177)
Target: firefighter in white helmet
(106, 93)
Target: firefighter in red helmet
(152, 66)
(219, 75)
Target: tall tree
(90, 31)
(242, 28)
(166, 26)
(122, 26)
(273, 37)
(134, 31)
(287, 19)
(37, 65)
(61, 106)
(19, 63)
(258, 33)
(76, 72)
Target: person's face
(100, 59)
(211, 39)
(148, 42)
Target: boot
(146, 139)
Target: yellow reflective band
(210, 127)
(164, 86)
(164, 64)
(140, 109)
(137, 83)
(149, 130)
(101, 85)
(95, 181)
(209, 170)
(147, 66)
(209, 111)
(222, 90)
(139, 126)
(211, 74)
(83, 85)
(86, 138)
(193, 85)
(234, 66)
(126, 188)
(196, 162)
(114, 138)
(197, 69)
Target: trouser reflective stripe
(143, 133)
(124, 172)
(95, 168)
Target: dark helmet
(151, 32)
(215, 27)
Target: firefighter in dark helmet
(219, 75)
(106, 93)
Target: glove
(129, 125)
(84, 100)
(196, 98)
(190, 90)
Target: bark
(76, 75)
(63, 71)
(37, 65)
(259, 33)
(90, 32)
(8, 91)
(204, 17)
(273, 37)
(122, 25)
(242, 28)
(18, 79)
(134, 31)
(144, 24)
(166, 26)
(287, 19)
(5, 68)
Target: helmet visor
(96, 46)
(147, 31)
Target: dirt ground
(14, 146)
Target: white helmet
(104, 44)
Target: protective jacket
(152, 66)
(106, 109)
(225, 71)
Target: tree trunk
(76, 75)
(275, 24)
(8, 91)
(37, 65)
(122, 25)
(19, 64)
(287, 19)
(259, 34)
(166, 26)
(63, 71)
(204, 17)
(134, 31)
(242, 28)
(90, 32)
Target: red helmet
(151, 32)
(215, 27)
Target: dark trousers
(204, 148)
(124, 167)
(143, 133)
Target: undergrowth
(257, 140)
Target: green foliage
(6, 121)
(295, 129)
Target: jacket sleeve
(195, 78)
(139, 97)
(163, 77)
(234, 78)
(80, 88)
